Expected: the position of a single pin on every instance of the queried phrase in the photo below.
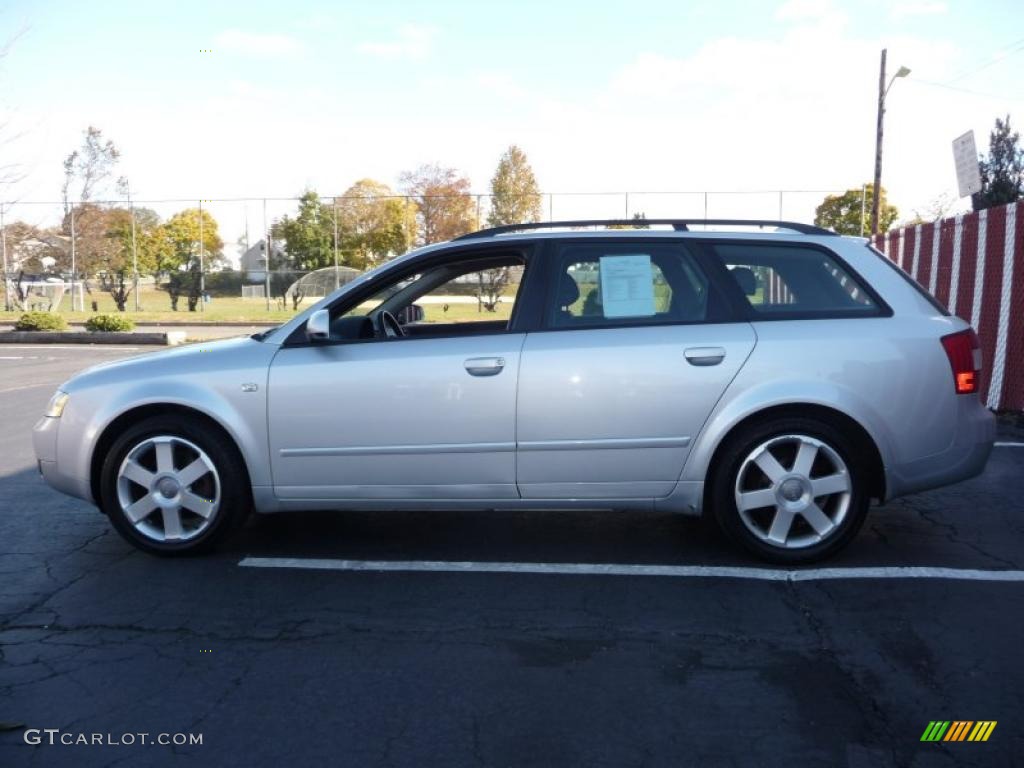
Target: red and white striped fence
(974, 264)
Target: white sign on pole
(965, 154)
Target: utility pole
(3, 248)
(266, 255)
(73, 260)
(883, 90)
(877, 188)
(135, 252)
(202, 282)
(337, 277)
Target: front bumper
(44, 441)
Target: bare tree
(89, 167)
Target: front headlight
(56, 406)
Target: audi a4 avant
(774, 375)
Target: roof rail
(680, 225)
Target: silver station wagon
(774, 375)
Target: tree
(515, 196)
(88, 167)
(842, 213)
(445, 208)
(1002, 172)
(309, 237)
(374, 223)
(117, 268)
(181, 251)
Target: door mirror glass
(411, 314)
(318, 326)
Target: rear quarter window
(793, 281)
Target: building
(253, 263)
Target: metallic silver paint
(624, 418)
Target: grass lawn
(155, 307)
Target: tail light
(964, 353)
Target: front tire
(791, 490)
(173, 486)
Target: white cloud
(411, 41)
(914, 8)
(256, 44)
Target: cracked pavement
(420, 669)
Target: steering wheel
(386, 326)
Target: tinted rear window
(793, 280)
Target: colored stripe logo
(958, 730)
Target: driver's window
(487, 295)
(368, 306)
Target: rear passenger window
(780, 279)
(612, 284)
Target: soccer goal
(45, 295)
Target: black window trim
(523, 313)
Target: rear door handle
(484, 366)
(704, 355)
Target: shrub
(109, 323)
(41, 321)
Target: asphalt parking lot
(299, 666)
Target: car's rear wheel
(791, 491)
(173, 486)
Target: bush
(109, 323)
(41, 321)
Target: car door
(637, 350)
(421, 417)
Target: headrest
(745, 278)
(568, 291)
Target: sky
(214, 100)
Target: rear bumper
(963, 459)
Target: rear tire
(791, 490)
(173, 486)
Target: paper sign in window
(627, 286)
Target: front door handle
(484, 366)
(704, 355)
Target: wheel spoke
(770, 466)
(756, 499)
(164, 456)
(192, 472)
(137, 474)
(817, 519)
(172, 523)
(805, 459)
(140, 509)
(837, 483)
(202, 507)
(781, 524)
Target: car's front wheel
(791, 491)
(173, 486)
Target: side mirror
(318, 326)
(411, 314)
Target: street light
(883, 90)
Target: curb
(169, 338)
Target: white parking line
(627, 569)
(1009, 445)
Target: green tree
(309, 237)
(842, 213)
(445, 208)
(374, 223)
(182, 255)
(515, 196)
(117, 267)
(1002, 172)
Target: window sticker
(627, 286)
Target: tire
(174, 486)
(779, 520)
